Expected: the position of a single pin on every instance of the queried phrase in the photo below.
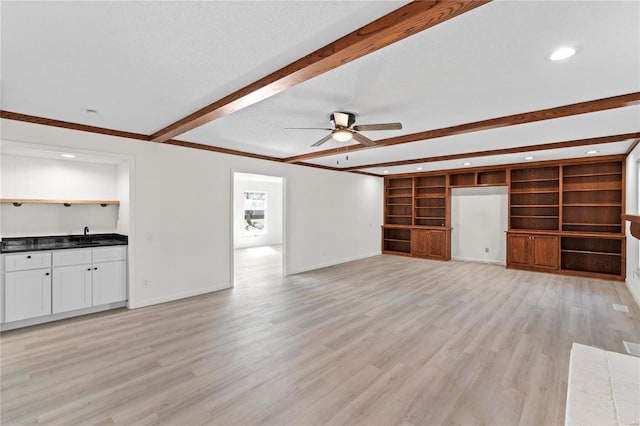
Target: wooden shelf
(399, 204)
(536, 180)
(594, 174)
(536, 216)
(399, 196)
(592, 189)
(592, 204)
(555, 191)
(48, 201)
(602, 253)
(443, 195)
(535, 205)
(589, 224)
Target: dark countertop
(22, 244)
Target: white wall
(180, 235)
(479, 219)
(47, 178)
(273, 187)
(56, 219)
(633, 267)
(122, 190)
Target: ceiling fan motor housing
(342, 119)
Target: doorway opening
(258, 229)
(479, 217)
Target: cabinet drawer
(109, 254)
(29, 260)
(71, 257)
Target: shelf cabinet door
(438, 244)
(109, 282)
(545, 251)
(421, 242)
(27, 294)
(71, 288)
(518, 250)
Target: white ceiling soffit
(144, 64)
(584, 126)
(26, 150)
(487, 63)
(497, 160)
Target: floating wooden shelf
(635, 224)
(43, 201)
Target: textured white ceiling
(584, 126)
(488, 63)
(496, 160)
(143, 65)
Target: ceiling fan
(343, 129)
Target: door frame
(232, 229)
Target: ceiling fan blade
(307, 128)
(323, 140)
(362, 139)
(382, 126)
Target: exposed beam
(68, 125)
(493, 123)
(397, 25)
(503, 151)
(633, 145)
(212, 148)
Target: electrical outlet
(486, 249)
(145, 283)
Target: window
(255, 213)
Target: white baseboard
(60, 316)
(469, 259)
(635, 296)
(177, 296)
(331, 263)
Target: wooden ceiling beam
(621, 101)
(406, 21)
(503, 151)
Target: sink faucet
(86, 231)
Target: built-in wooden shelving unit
(535, 199)
(564, 217)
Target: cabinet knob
(88, 269)
(29, 257)
(47, 274)
(95, 269)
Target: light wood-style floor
(381, 341)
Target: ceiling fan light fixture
(342, 135)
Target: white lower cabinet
(109, 282)
(27, 294)
(72, 280)
(71, 288)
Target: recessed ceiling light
(562, 53)
(419, 168)
(528, 158)
(593, 151)
(386, 171)
(67, 155)
(466, 164)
